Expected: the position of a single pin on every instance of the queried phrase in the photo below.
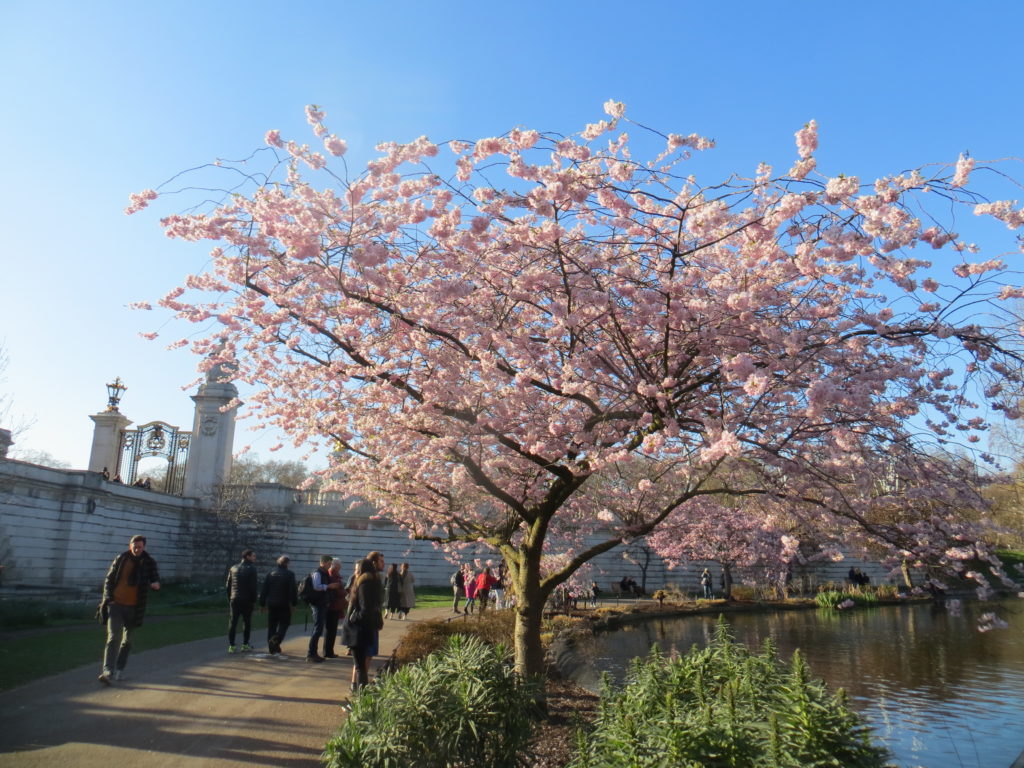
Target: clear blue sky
(103, 99)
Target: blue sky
(99, 100)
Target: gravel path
(186, 706)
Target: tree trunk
(905, 568)
(726, 581)
(529, 652)
(530, 598)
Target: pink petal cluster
(964, 166)
(140, 200)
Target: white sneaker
(119, 675)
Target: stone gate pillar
(106, 441)
(213, 436)
(6, 441)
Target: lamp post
(106, 435)
(114, 390)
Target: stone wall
(63, 527)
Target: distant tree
(16, 424)
(42, 458)
(233, 522)
(639, 554)
(246, 470)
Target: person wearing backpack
(317, 597)
(278, 596)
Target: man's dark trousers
(243, 610)
(278, 621)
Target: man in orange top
(132, 574)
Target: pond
(938, 692)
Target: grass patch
(55, 639)
(433, 597)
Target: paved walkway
(187, 705)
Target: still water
(937, 692)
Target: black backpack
(306, 592)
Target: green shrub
(462, 706)
(829, 598)
(724, 706)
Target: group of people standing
(398, 585)
(476, 584)
(356, 607)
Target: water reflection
(938, 692)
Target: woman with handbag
(364, 621)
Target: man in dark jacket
(129, 579)
(278, 595)
(320, 603)
(242, 587)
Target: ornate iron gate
(156, 439)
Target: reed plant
(461, 706)
(724, 706)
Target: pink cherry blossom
(807, 140)
(549, 346)
(140, 200)
(964, 166)
(335, 146)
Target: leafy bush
(462, 706)
(833, 598)
(724, 706)
(829, 598)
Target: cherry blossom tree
(544, 344)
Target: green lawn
(44, 638)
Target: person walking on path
(364, 621)
(319, 604)
(130, 577)
(336, 605)
(408, 597)
(279, 596)
(393, 591)
(471, 578)
(242, 587)
(484, 582)
(458, 582)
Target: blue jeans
(319, 618)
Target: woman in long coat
(364, 621)
(393, 590)
(408, 597)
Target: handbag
(350, 634)
(351, 625)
